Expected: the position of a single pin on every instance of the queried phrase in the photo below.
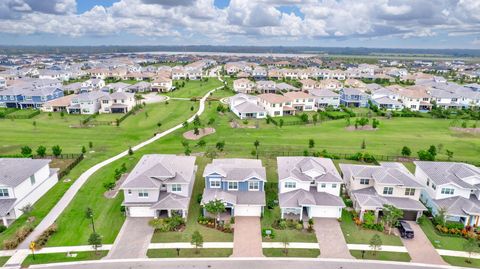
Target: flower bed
(222, 226)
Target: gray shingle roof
(301, 197)
(14, 171)
(234, 197)
(449, 172)
(6, 206)
(459, 206)
(171, 201)
(301, 167)
(368, 197)
(236, 169)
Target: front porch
(225, 216)
(168, 213)
(295, 213)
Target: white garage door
(326, 212)
(248, 211)
(141, 212)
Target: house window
(253, 185)
(233, 185)
(129, 192)
(428, 182)
(176, 187)
(290, 185)
(142, 193)
(448, 191)
(214, 183)
(334, 186)
(32, 179)
(434, 186)
(388, 190)
(364, 181)
(410, 191)
(4, 193)
(323, 185)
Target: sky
(320, 23)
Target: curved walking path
(23, 251)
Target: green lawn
(292, 252)
(462, 262)
(441, 241)
(3, 260)
(194, 88)
(382, 255)
(293, 235)
(357, 235)
(189, 253)
(108, 117)
(62, 257)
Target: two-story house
(325, 98)
(246, 107)
(162, 84)
(243, 85)
(117, 102)
(95, 83)
(309, 187)
(453, 187)
(276, 105)
(238, 183)
(372, 186)
(22, 182)
(266, 86)
(28, 96)
(160, 185)
(86, 103)
(301, 101)
(352, 97)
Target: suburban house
(141, 86)
(86, 103)
(266, 86)
(352, 97)
(58, 105)
(95, 83)
(309, 187)
(416, 98)
(453, 187)
(372, 186)
(243, 85)
(162, 84)
(246, 107)
(301, 101)
(259, 73)
(117, 102)
(160, 185)
(116, 87)
(22, 182)
(387, 103)
(276, 105)
(26, 96)
(325, 98)
(238, 183)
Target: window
(448, 191)
(253, 186)
(215, 183)
(428, 182)
(176, 187)
(364, 181)
(334, 185)
(410, 191)
(290, 185)
(4, 193)
(129, 192)
(323, 185)
(233, 185)
(434, 186)
(142, 193)
(388, 190)
(32, 179)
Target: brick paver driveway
(247, 237)
(420, 248)
(330, 238)
(133, 240)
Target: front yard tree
(96, 241)
(375, 243)
(41, 151)
(56, 150)
(89, 215)
(197, 240)
(215, 207)
(391, 215)
(26, 151)
(406, 151)
(470, 246)
(311, 143)
(285, 243)
(256, 143)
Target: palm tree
(256, 144)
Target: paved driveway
(420, 248)
(330, 238)
(133, 239)
(247, 237)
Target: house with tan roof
(243, 85)
(301, 101)
(161, 84)
(276, 105)
(416, 98)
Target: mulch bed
(203, 132)
(466, 130)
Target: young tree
(90, 144)
(391, 215)
(197, 240)
(220, 145)
(433, 151)
(215, 207)
(96, 241)
(26, 151)
(187, 151)
(449, 154)
(62, 114)
(185, 124)
(26, 209)
(311, 143)
(56, 150)
(375, 243)
(130, 151)
(256, 144)
(470, 246)
(146, 114)
(84, 150)
(196, 121)
(34, 123)
(89, 215)
(192, 108)
(363, 145)
(196, 131)
(280, 123)
(285, 243)
(315, 119)
(406, 151)
(41, 151)
(201, 143)
(304, 117)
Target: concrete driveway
(420, 248)
(330, 238)
(133, 240)
(247, 237)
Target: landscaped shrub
(45, 236)
(2, 228)
(282, 224)
(173, 223)
(454, 225)
(20, 235)
(299, 226)
(271, 235)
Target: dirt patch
(360, 128)
(113, 193)
(203, 132)
(466, 130)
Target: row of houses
(308, 187)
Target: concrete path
(420, 248)
(330, 238)
(133, 240)
(247, 237)
(72, 191)
(151, 98)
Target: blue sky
(353, 23)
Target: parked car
(405, 230)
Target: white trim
(232, 189)
(215, 180)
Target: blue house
(23, 97)
(238, 183)
(352, 97)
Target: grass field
(462, 262)
(62, 257)
(189, 253)
(292, 252)
(382, 255)
(195, 88)
(441, 241)
(3, 260)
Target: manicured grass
(3, 260)
(462, 262)
(357, 235)
(382, 255)
(108, 117)
(441, 241)
(189, 253)
(292, 252)
(293, 235)
(62, 257)
(194, 88)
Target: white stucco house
(246, 107)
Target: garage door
(326, 212)
(248, 211)
(141, 212)
(409, 215)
